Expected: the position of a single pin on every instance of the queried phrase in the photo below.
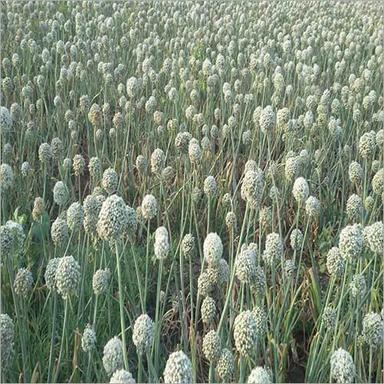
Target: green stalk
(232, 280)
(54, 311)
(58, 366)
(138, 279)
(121, 305)
(146, 265)
(157, 323)
(20, 328)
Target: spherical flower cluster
(188, 245)
(113, 355)
(354, 207)
(210, 186)
(335, 262)
(100, 281)
(358, 286)
(267, 119)
(208, 310)
(296, 239)
(88, 339)
(380, 137)
(110, 181)
(329, 317)
(45, 153)
(205, 284)
(50, 273)
(141, 164)
(75, 217)
(6, 177)
(95, 115)
(374, 237)
(274, 249)
(252, 188)
(245, 333)
(373, 329)
(161, 243)
(250, 165)
(223, 272)
(12, 238)
(369, 203)
(265, 217)
(282, 118)
(300, 190)
(212, 346)
(245, 265)
(23, 282)
(92, 206)
(231, 220)
(292, 167)
(67, 276)
(7, 335)
(261, 320)
(26, 169)
(149, 207)
(246, 138)
(114, 218)
(131, 223)
(132, 86)
(259, 281)
(178, 369)
(60, 193)
(212, 249)
(78, 165)
(38, 208)
(226, 365)
(342, 367)
(5, 121)
(312, 207)
(367, 144)
(378, 182)
(59, 232)
(194, 151)
(142, 335)
(182, 141)
(157, 161)
(57, 148)
(6, 240)
(259, 375)
(168, 175)
(94, 167)
(355, 172)
(121, 376)
(375, 165)
(351, 242)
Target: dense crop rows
(192, 191)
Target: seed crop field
(192, 191)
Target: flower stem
(121, 305)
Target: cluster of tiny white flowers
(67, 276)
(161, 243)
(342, 367)
(178, 369)
(213, 249)
(245, 332)
(142, 335)
(113, 356)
